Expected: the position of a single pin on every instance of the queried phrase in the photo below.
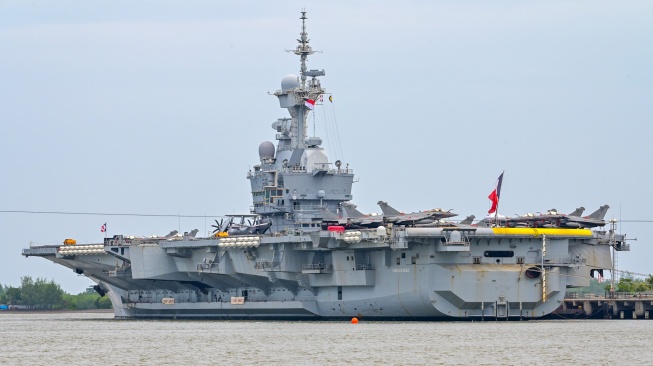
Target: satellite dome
(289, 81)
(266, 150)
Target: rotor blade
(217, 226)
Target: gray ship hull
(388, 274)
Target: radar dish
(266, 150)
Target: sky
(158, 107)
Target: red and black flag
(494, 196)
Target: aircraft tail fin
(387, 209)
(600, 213)
(578, 212)
(468, 220)
(328, 215)
(351, 211)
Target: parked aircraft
(552, 218)
(248, 224)
(360, 219)
(468, 220)
(421, 217)
(329, 218)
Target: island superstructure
(304, 252)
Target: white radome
(289, 81)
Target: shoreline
(58, 311)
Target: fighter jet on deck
(350, 217)
(593, 220)
(360, 219)
(332, 219)
(553, 218)
(468, 220)
(421, 217)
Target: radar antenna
(300, 97)
(303, 49)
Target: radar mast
(299, 98)
(303, 49)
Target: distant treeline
(41, 294)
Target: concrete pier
(617, 306)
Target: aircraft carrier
(305, 252)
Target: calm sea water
(96, 338)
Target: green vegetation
(631, 285)
(41, 294)
(595, 287)
(87, 300)
(626, 284)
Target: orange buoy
(354, 320)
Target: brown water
(96, 338)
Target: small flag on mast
(494, 196)
(310, 103)
(103, 229)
